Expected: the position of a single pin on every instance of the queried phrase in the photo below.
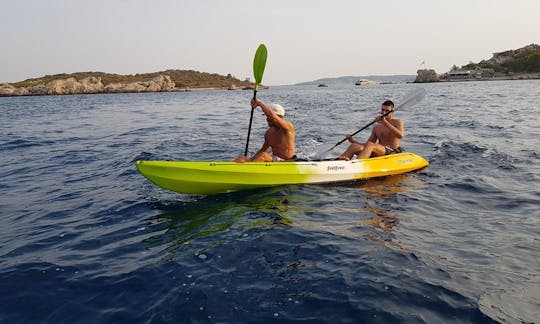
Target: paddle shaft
(361, 129)
(250, 122)
(259, 63)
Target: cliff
(99, 82)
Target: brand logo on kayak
(405, 161)
(335, 168)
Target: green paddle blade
(259, 63)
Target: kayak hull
(207, 178)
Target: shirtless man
(279, 136)
(384, 139)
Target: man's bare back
(281, 141)
(279, 137)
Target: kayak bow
(206, 178)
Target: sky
(306, 40)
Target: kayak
(207, 178)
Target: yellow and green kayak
(207, 178)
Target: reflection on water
(391, 185)
(194, 227)
(207, 220)
(385, 220)
(381, 228)
(381, 222)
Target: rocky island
(519, 64)
(99, 82)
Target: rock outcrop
(426, 75)
(7, 89)
(68, 86)
(157, 84)
(88, 85)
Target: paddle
(411, 99)
(259, 63)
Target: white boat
(365, 82)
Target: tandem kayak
(207, 178)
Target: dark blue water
(85, 239)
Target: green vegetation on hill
(523, 60)
(182, 79)
(527, 62)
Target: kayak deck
(206, 178)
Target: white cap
(278, 109)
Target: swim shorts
(278, 159)
(389, 150)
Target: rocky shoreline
(100, 82)
(162, 83)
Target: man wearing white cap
(279, 137)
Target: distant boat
(365, 82)
(322, 85)
(232, 87)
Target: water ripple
(84, 237)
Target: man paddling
(279, 137)
(385, 137)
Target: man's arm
(264, 148)
(397, 131)
(278, 121)
(373, 137)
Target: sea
(84, 238)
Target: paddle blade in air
(259, 63)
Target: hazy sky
(306, 40)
